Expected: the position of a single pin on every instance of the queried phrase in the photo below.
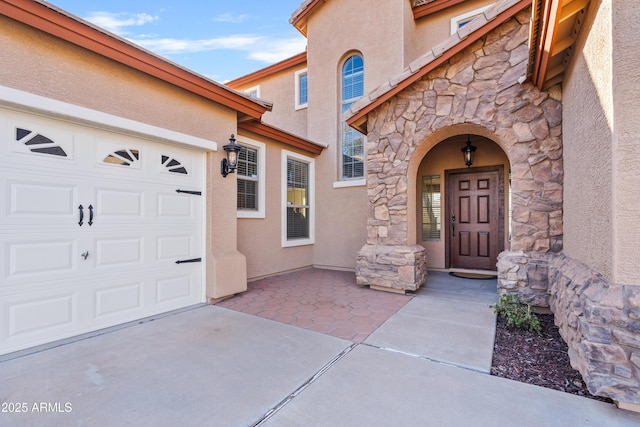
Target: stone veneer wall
(480, 88)
(600, 321)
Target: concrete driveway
(211, 366)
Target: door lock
(453, 225)
(85, 254)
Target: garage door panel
(119, 252)
(39, 199)
(36, 199)
(39, 258)
(172, 207)
(174, 289)
(174, 248)
(118, 203)
(116, 300)
(38, 315)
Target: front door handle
(453, 225)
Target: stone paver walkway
(325, 301)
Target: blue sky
(220, 39)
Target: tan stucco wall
(279, 89)
(260, 239)
(626, 154)
(44, 65)
(588, 145)
(447, 156)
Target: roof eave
(433, 7)
(51, 20)
(259, 128)
(299, 17)
(294, 61)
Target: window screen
(298, 203)
(303, 90)
(247, 178)
(431, 213)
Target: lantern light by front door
(469, 153)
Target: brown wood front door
(473, 219)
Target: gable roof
(490, 19)
(52, 20)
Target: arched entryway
(462, 216)
(480, 91)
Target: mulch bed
(537, 359)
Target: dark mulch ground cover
(536, 359)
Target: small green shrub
(517, 314)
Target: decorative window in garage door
(124, 157)
(172, 165)
(38, 143)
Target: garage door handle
(90, 215)
(81, 209)
(184, 261)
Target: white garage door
(92, 228)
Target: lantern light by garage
(230, 163)
(469, 153)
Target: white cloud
(228, 17)
(278, 49)
(168, 46)
(263, 48)
(259, 48)
(116, 22)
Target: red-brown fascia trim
(433, 7)
(546, 38)
(262, 129)
(295, 21)
(357, 119)
(294, 61)
(52, 21)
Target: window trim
(297, 75)
(286, 243)
(252, 89)
(342, 124)
(261, 148)
(455, 21)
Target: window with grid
(247, 178)
(302, 89)
(431, 213)
(298, 203)
(352, 141)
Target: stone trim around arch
(479, 89)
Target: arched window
(352, 162)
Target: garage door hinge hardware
(184, 261)
(195, 193)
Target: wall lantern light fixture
(469, 153)
(230, 163)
